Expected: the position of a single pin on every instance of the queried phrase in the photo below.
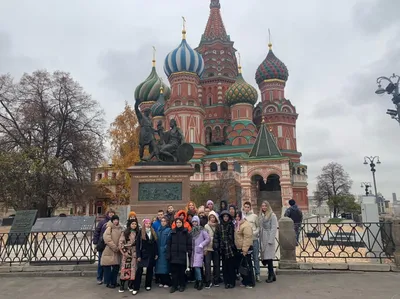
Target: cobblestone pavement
(326, 286)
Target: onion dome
(184, 59)
(158, 108)
(241, 91)
(149, 89)
(271, 68)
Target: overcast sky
(334, 51)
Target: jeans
(212, 256)
(197, 273)
(111, 274)
(178, 275)
(100, 271)
(256, 252)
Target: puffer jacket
(111, 255)
(243, 236)
(186, 224)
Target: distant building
(313, 208)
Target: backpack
(101, 245)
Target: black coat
(179, 246)
(146, 250)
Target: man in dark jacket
(98, 233)
(294, 213)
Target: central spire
(215, 28)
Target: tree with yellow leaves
(124, 135)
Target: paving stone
(368, 267)
(330, 266)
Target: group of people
(189, 245)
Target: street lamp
(393, 89)
(366, 187)
(371, 161)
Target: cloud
(334, 53)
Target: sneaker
(172, 290)
(208, 285)
(216, 284)
(166, 286)
(99, 282)
(160, 285)
(181, 289)
(134, 293)
(121, 289)
(249, 287)
(258, 279)
(148, 288)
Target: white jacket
(255, 225)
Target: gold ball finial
(270, 46)
(161, 89)
(184, 28)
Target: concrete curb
(49, 274)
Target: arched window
(224, 166)
(213, 167)
(225, 133)
(189, 89)
(217, 133)
(197, 168)
(209, 101)
(179, 89)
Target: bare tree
(51, 135)
(332, 182)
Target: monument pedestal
(155, 186)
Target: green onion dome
(158, 108)
(271, 68)
(241, 92)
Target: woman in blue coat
(162, 265)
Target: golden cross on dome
(240, 63)
(184, 28)
(269, 39)
(154, 56)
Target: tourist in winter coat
(200, 240)
(244, 244)
(212, 255)
(162, 265)
(224, 244)
(191, 206)
(252, 219)
(179, 247)
(223, 206)
(111, 256)
(268, 227)
(170, 215)
(294, 213)
(202, 216)
(147, 254)
(97, 236)
(183, 216)
(127, 247)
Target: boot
(196, 284)
(271, 277)
(200, 285)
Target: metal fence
(345, 242)
(318, 242)
(47, 248)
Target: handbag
(244, 267)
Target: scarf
(196, 231)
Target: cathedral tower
(278, 112)
(184, 66)
(220, 71)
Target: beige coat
(244, 236)
(211, 230)
(111, 255)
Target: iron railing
(47, 248)
(345, 242)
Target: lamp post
(393, 89)
(366, 187)
(371, 161)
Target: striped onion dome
(184, 59)
(158, 108)
(271, 68)
(241, 92)
(149, 89)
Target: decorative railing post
(287, 241)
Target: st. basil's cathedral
(218, 113)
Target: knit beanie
(196, 219)
(292, 202)
(132, 214)
(114, 217)
(210, 202)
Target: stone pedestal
(287, 241)
(396, 240)
(155, 186)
